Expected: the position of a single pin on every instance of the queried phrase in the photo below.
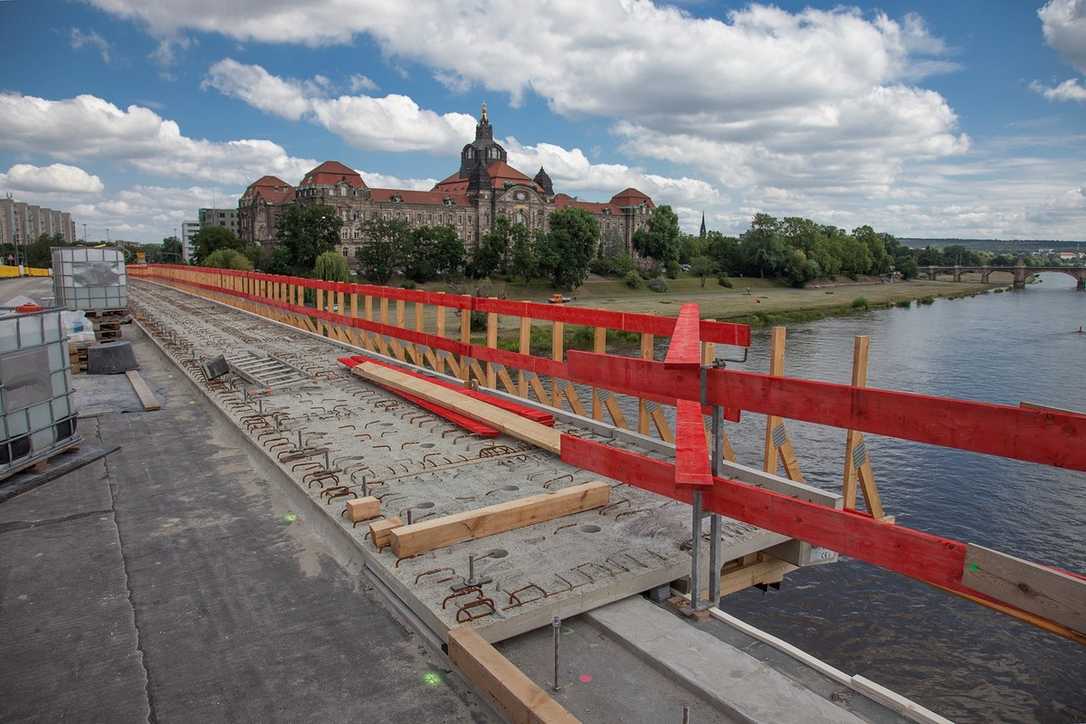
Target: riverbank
(758, 302)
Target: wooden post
(439, 355)
(354, 305)
(420, 309)
(599, 346)
(525, 347)
(857, 460)
(401, 320)
(465, 339)
(320, 299)
(491, 343)
(642, 406)
(777, 443)
(558, 353)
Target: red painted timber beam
(691, 451)
(913, 553)
(1039, 436)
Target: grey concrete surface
(745, 687)
(173, 581)
(40, 289)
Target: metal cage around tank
(89, 279)
(37, 414)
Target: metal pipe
(714, 519)
(695, 551)
(556, 627)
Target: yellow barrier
(7, 271)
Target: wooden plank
(492, 343)
(558, 346)
(363, 509)
(143, 391)
(508, 422)
(770, 570)
(434, 533)
(615, 412)
(575, 400)
(465, 339)
(861, 472)
(647, 342)
(913, 553)
(691, 449)
(1050, 438)
(440, 332)
(524, 347)
(519, 699)
(381, 530)
(659, 419)
(599, 344)
(1051, 594)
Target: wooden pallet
(41, 464)
(77, 357)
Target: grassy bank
(752, 301)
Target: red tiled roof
(453, 184)
(500, 174)
(565, 200)
(631, 197)
(432, 198)
(272, 189)
(332, 172)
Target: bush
(658, 285)
(331, 267)
(926, 300)
(408, 284)
(632, 279)
(228, 259)
(724, 281)
(859, 303)
(903, 303)
(672, 269)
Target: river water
(959, 659)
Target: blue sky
(921, 118)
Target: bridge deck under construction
(335, 432)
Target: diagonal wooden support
(778, 446)
(857, 461)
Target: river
(961, 660)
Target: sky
(926, 118)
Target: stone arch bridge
(1020, 272)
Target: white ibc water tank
(89, 279)
(36, 412)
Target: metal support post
(556, 627)
(695, 552)
(714, 519)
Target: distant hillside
(998, 245)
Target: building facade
(226, 218)
(483, 189)
(189, 229)
(22, 223)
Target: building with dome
(483, 189)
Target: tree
(725, 251)
(331, 267)
(383, 240)
(228, 259)
(524, 260)
(171, 250)
(659, 239)
(431, 252)
(307, 232)
(567, 249)
(494, 252)
(702, 266)
(210, 239)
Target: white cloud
(148, 213)
(362, 83)
(88, 127)
(392, 123)
(1069, 90)
(54, 178)
(259, 88)
(573, 173)
(1064, 26)
(93, 39)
